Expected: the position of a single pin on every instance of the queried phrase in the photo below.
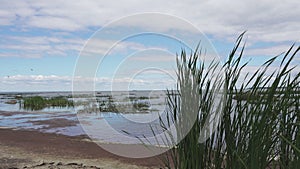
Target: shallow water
(105, 126)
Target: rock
(18, 97)
(72, 164)
(11, 102)
(59, 163)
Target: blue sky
(41, 42)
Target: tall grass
(244, 134)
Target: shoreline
(20, 148)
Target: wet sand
(33, 149)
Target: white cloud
(265, 20)
(248, 71)
(64, 83)
(38, 46)
(104, 46)
(36, 82)
(51, 22)
(267, 51)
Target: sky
(64, 45)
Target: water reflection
(64, 119)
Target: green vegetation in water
(245, 135)
(131, 105)
(261, 94)
(141, 105)
(39, 103)
(134, 107)
(135, 98)
(107, 105)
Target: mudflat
(34, 149)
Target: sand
(34, 149)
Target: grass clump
(245, 134)
(39, 103)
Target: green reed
(39, 103)
(259, 131)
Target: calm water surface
(105, 126)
